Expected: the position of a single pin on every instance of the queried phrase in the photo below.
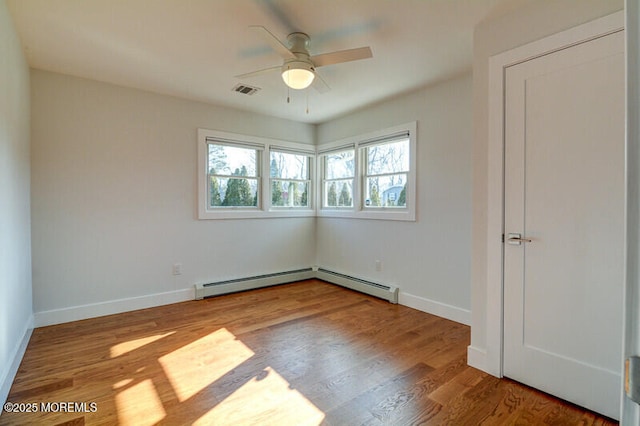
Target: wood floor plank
(305, 353)
(44, 388)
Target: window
(371, 176)
(290, 179)
(339, 174)
(233, 176)
(243, 176)
(386, 172)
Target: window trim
(360, 142)
(264, 208)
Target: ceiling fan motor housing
(298, 73)
(299, 43)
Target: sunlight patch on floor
(139, 405)
(220, 352)
(265, 400)
(132, 345)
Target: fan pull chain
(307, 101)
(288, 87)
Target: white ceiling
(194, 48)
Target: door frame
(631, 410)
(495, 180)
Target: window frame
(258, 152)
(264, 146)
(366, 175)
(309, 180)
(360, 143)
(324, 179)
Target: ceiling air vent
(247, 90)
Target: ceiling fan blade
(259, 72)
(341, 56)
(319, 84)
(273, 41)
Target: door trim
(493, 359)
(631, 410)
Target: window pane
(289, 194)
(340, 165)
(231, 160)
(233, 192)
(289, 166)
(216, 194)
(388, 158)
(386, 191)
(338, 193)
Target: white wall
(15, 221)
(429, 260)
(114, 200)
(531, 22)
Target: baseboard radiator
(382, 291)
(251, 283)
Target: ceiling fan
(299, 67)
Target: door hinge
(632, 378)
(503, 238)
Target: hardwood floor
(306, 353)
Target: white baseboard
(440, 309)
(7, 376)
(75, 313)
(477, 358)
(92, 310)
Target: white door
(564, 191)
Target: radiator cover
(382, 291)
(251, 283)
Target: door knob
(516, 239)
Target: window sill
(255, 214)
(382, 214)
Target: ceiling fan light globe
(298, 78)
